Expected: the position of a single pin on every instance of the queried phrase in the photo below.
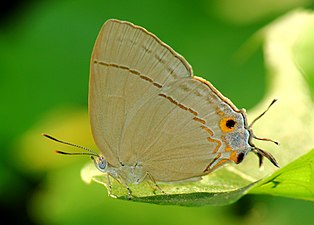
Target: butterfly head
(259, 152)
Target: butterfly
(151, 118)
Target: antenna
(257, 118)
(263, 113)
(90, 152)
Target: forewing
(129, 65)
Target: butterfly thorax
(129, 174)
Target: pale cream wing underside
(175, 135)
(129, 65)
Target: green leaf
(196, 198)
(219, 188)
(295, 180)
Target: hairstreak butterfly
(151, 118)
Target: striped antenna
(89, 151)
(257, 118)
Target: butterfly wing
(128, 66)
(176, 134)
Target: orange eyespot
(227, 124)
(237, 158)
(234, 157)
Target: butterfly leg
(121, 181)
(109, 185)
(129, 191)
(156, 186)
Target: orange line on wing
(132, 71)
(179, 104)
(199, 120)
(192, 111)
(207, 169)
(207, 130)
(211, 139)
(215, 141)
(228, 147)
(220, 163)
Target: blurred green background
(45, 47)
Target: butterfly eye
(100, 163)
